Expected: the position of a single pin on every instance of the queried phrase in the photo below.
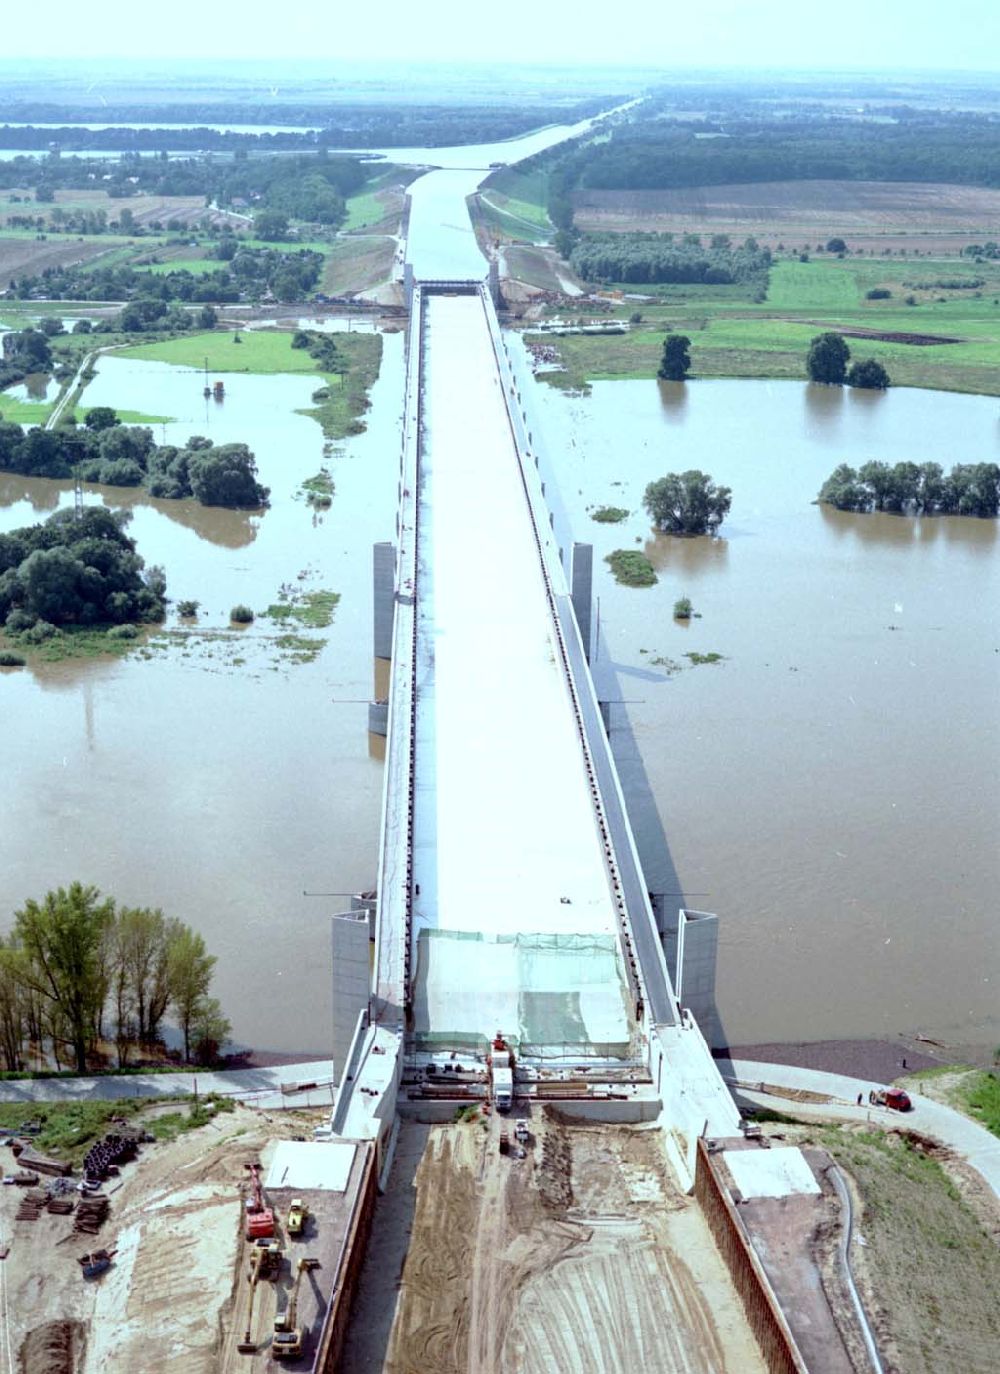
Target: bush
(878, 293)
(188, 608)
(869, 375)
(9, 660)
(631, 568)
(242, 615)
(39, 632)
(609, 515)
(18, 621)
(123, 632)
(683, 608)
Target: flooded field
(220, 779)
(831, 787)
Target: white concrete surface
(781, 1171)
(505, 839)
(323, 1166)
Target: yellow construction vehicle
(265, 1263)
(287, 1342)
(297, 1214)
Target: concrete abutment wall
(766, 1319)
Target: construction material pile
(29, 1158)
(91, 1214)
(31, 1205)
(104, 1158)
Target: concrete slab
(311, 1165)
(782, 1171)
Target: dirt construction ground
(581, 1258)
(165, 1302)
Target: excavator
(260, 1217)
(288, 1335)
(265, 1263)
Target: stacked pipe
(108, 1153)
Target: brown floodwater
(832, 787)
(217, 779)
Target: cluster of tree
(644, 258)
(76, 570)
(650, 152)
(344, 126)
(687, 503)
(915, 488)
(312, 187)
(248, 273)
(676, 361)
(24, 351)
(78, 971)
(990, 249)
(827, 361)
(103, 450)
(322, 347)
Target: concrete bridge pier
(383, 613)
(582, 591)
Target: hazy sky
(961, 34)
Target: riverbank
(938, 326)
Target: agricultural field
(929, 218)
(145, 209)
(938, 328)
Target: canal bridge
(510, 896)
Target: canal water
(831, 787)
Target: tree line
(76, 570)
(915, 488)
(341, 125)
(106, 451)
(79, 971)
(658, 154)
(642, 258)
(243, 273)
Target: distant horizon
(717, 35)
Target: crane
(265, 1263)
(260, 1217)
(287, 1343)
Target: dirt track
(580, 1258)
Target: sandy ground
(930, 217)
(580, 1258)
(175, 1220)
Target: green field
(733, 337)
(261, 350)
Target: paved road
(972, 1141)
(270, 1089)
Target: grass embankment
(70, 1128)
(513, 205)
(732, 336)
(934, 1268)
(972, 1091)
(347, 395)
(357, 264)
(379, 206)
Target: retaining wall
(348, 1275)
(781, 1355)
